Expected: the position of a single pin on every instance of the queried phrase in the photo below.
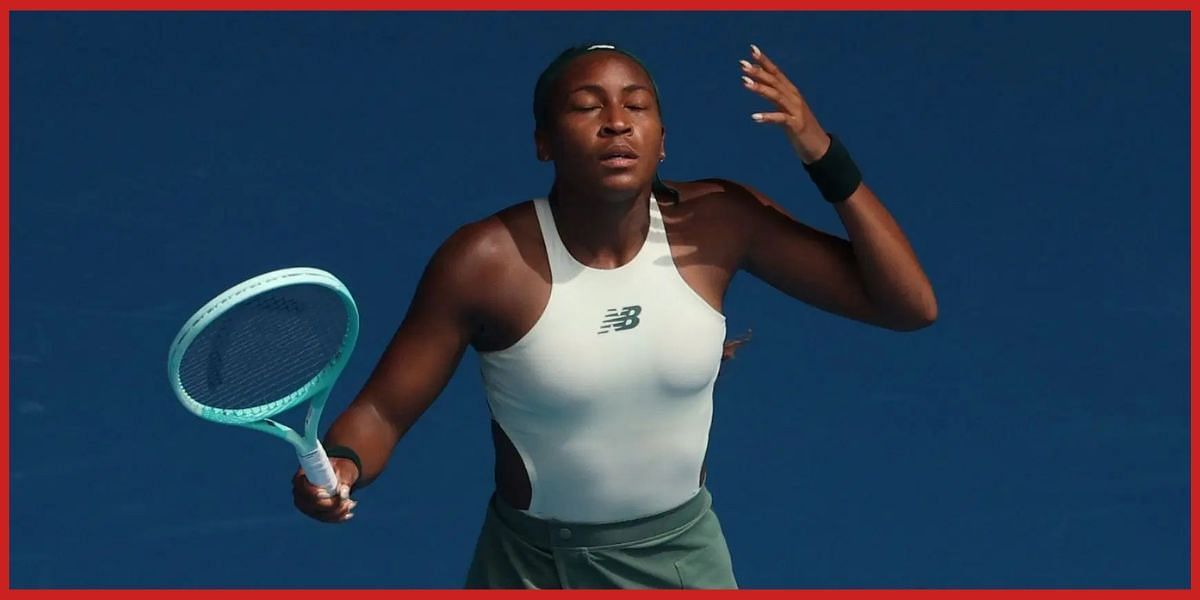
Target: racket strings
(265, 348)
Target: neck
(603, 229)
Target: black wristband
(835, 173)
(348, 453)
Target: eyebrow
(598, 89)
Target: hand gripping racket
(264, 346)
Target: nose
(616, 122)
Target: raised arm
(874, 276)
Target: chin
(624, 182)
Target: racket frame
(316, 390)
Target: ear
(541, 144)
(662, 146)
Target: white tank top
(608, 398)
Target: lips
(618, 156)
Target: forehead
(602, 66)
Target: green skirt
(681, 548)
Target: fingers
(756, 74)
(766, 91)
(768, 71)
(768, 81)
(767, 64)
(320, 504)
(777, 118)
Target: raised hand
(766, 79)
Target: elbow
(911, 325)
(918, 318)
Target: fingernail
(754, 49)
(749, 82)
(322, 493)
(757, 117)
(746, 65)
(351, 504)
(348, 516)
(344, 491)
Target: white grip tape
(318, 470)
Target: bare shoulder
(481, 252)
(487, 272)
(727, 197)
(727, 205)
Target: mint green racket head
(264, 345)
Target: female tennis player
(596, 314)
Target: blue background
(1036, 436)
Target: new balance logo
(620, 320)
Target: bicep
(425, 349)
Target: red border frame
(597, 5)
(579, 5)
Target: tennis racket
(264, 346)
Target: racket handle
(318, 470)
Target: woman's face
(603, 127)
